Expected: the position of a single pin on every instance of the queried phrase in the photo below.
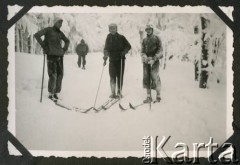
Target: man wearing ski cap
(51, 45)
(116, 47)
(151, 53)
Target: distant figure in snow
(51, 45)
(82, 51)
(116, 47)
(151, 53)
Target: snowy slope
(187, 113)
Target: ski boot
(51, 97)
(158, 99)
(83, 68)
(147, 100)
(113, 96)
(56, 96)
(119, 94)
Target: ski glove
(64, 49)
(150, 58)
(144, 58)
(151, 62)
(105, 58)
(104, 63)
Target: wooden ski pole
(44, 56)
(150, 86)
(98, 87)
(121, 79)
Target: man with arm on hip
(51, 45)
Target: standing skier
(151, 53)
(116, 47)
(82, 51)
(51, 45)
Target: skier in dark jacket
(116, 47)
(151, 53)
(51, 45)
(82, 51)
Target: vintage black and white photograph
(101, 81)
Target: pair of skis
(108, 104)
(61, 104)
(111, 102)
(105, 106)
(134, 107)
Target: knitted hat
(112, 25)
(148, 27)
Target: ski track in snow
(187, 113)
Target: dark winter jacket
(52, 41)
(152, 46)
(116, 46)
(82, 49)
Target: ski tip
(132, 107)
(121, 107)
(84, 111)
(89, 109)
(95, 109)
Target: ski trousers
(55, 73)
(81, 59)
(115, 74)
(151, 76)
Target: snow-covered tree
(177, 32)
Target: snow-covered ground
(187, 113)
